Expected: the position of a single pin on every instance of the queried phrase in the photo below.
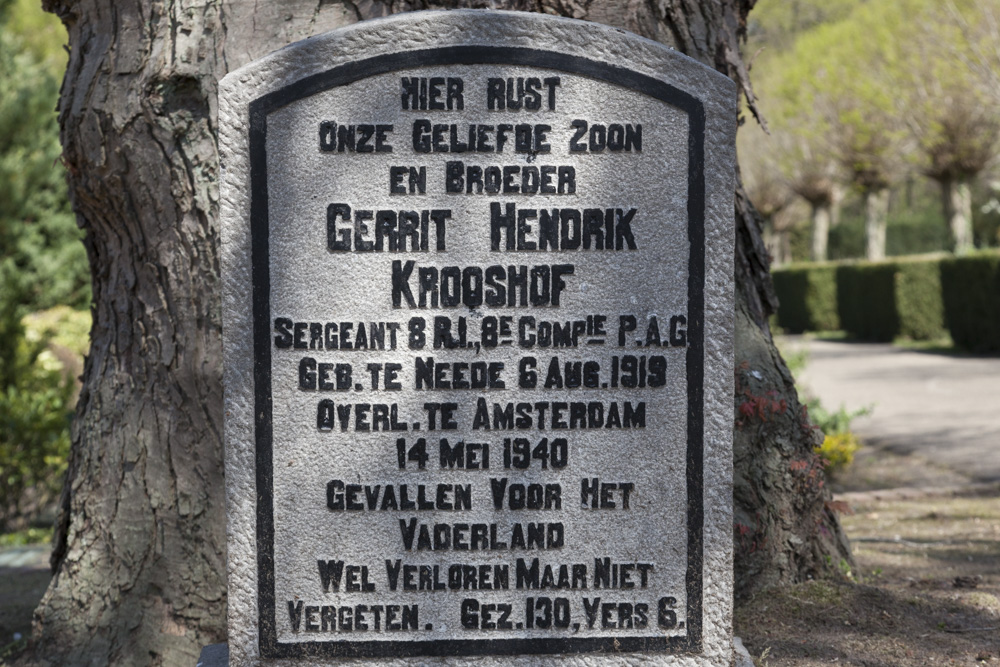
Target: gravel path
(17, 559)
(941, 407)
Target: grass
(25, 537)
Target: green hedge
(919, 302)
(911, 297)
(875, 301)
(879, 301)
(971, 289)
(866, 300)
(807, 294)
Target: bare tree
(772, 198)
(139, 555)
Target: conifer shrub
(873, 301)
(35, 412)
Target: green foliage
(21, 538)
(838, 451)
(831, 93)
(834, 423)
(862, 93)
(38, 231)
(808, 297)
(839, 444)
(42, 34)
(847, 239)
(63, 327)
(866, 300)
(952, 120)
(776, 23)
(971, 292)
(916, 234)
(42, 264)
(35, 400)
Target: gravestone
(478, 346)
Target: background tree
(832, 119)
(775, 25)
(815, 180)
(981, 32)
(772, 198)
(835, 72)
(903, 90)
(39, 239)
(947, 103)
(139, 554)
(766, 189)
(42, 264)
(780, 165)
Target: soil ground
(925, 589)
(24, 576)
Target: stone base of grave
(214, 655)
(741, 657)
(217, 655)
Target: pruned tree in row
(883, 91)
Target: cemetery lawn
(925, 589)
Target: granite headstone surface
(478, 346)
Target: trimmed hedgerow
(807, 295)
(910, 297)
(971, 291)
(918, 299)
(866, 300)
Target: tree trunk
(784, 245)
(836, 204)
(876, 219)
(139, 553)
(776, 243)
(822, 216)
(957, 197)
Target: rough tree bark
(139, 554)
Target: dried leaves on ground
(926, 591)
